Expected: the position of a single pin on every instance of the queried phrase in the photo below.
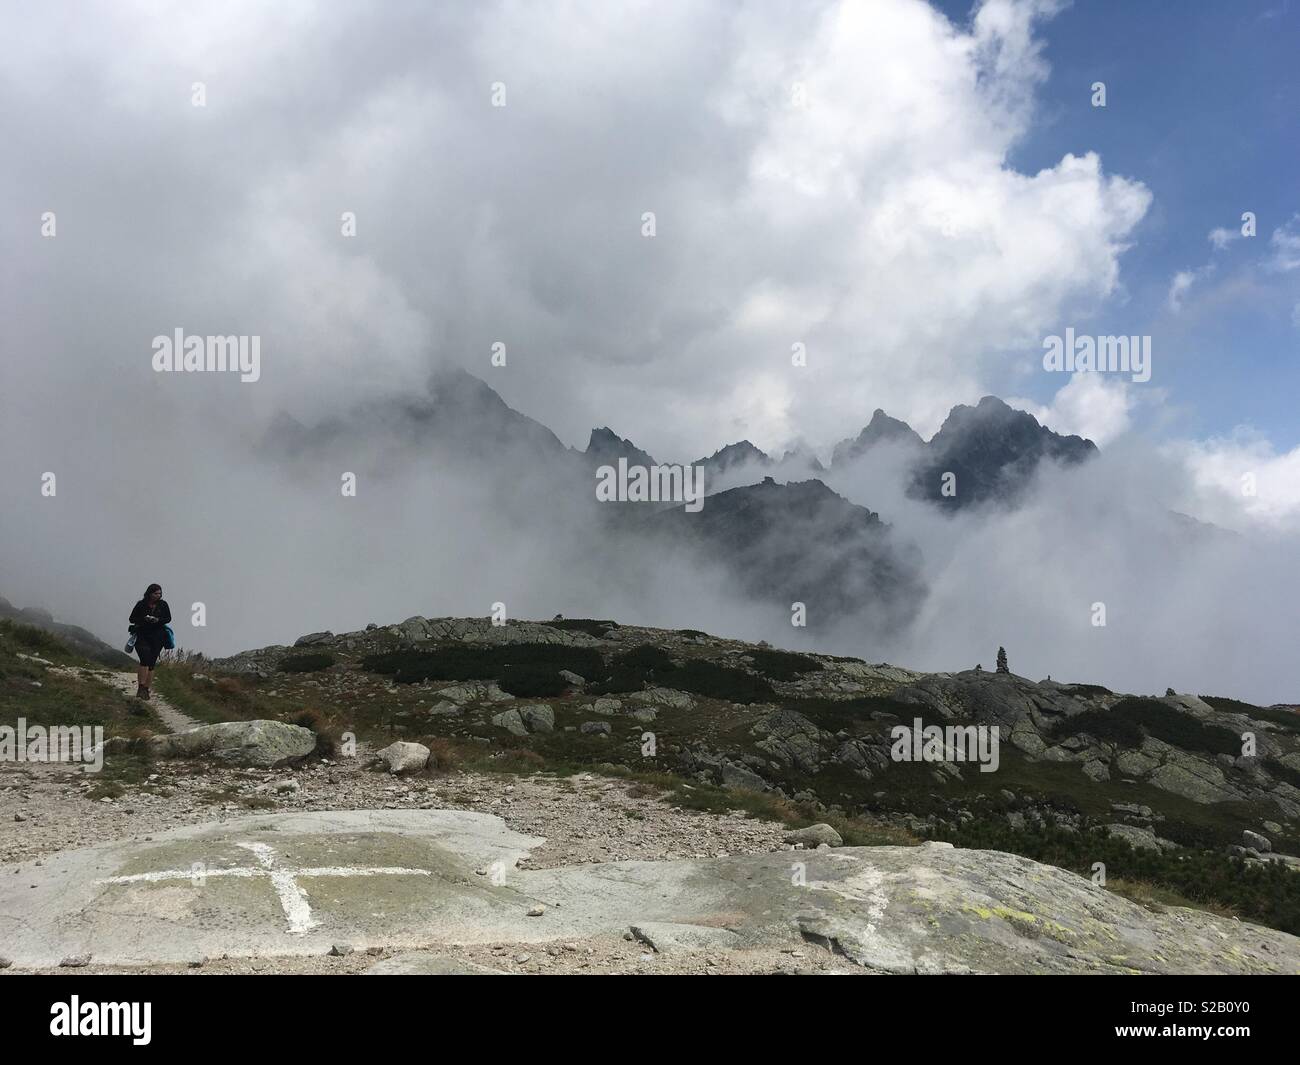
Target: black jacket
(150, 629)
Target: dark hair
(149, 591)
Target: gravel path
(174, 719)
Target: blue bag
(169, 638)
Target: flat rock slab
(665, 938)
(295, 884)
(429, 965)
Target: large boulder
(403, 757)
(815, 835)
(538, 717)
(792, 740)
(313, 638)
(738, 776)
(664, 697)
(261, 744)
(512, 721)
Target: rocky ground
(45, 809)
(585, 818)
(1085, 775)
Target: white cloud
(1088, 405)
(1285, 244)
(1182, 281)
(879, 223)
(1242, 480)
(1221, 237)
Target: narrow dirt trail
(176, 720)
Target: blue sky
(1203, 107)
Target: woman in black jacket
(150, 616)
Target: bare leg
(142, 676)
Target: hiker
(150, 617)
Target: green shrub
(1179, 728)
(33, 639)
(1088, 689)
(1105, 725)
(1288, 719)
(783, 665)
(722, 682)
(459, 662)
(619, 680)
(529, 681)
(632, 670)
(1129, 720)
(648, 657)
(836, 714)
(590, 626)
(1283, 771)
(327, 737)
(1268, 893)
(307, 663)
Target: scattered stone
(601, 728)
(815, 835)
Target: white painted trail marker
(292, 897)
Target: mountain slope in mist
(992, 452)
(802, 543)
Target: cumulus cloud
(833, 174)
(1090, 405)
(812, 169)
(1181, 285)
(1221, 237)
(1285, 246)
(1242, 480)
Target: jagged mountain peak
(881, 429)
(732, 455)
(605, 446)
